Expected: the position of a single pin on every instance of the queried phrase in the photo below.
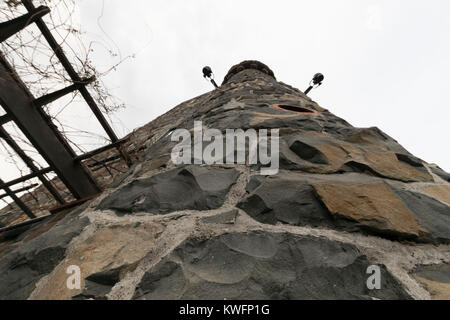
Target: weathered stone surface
(102, 258)
(24, 266)
(324, 153)
(441, 173)
(373, 206)
(247, 65)
(434, 216)
(349, 202)
(308, 152)
(187, 188)
(372, 137)
(286, 200)
(259, 265)
(436, 279)
(228, 217)
(439, 192)
(411, 160)
(254, 182)
(98, 285)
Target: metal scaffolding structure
(27, 113)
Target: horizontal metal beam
(18, 202)
(48, 98)
(25, 178)
(11, 27)
(23, 224)
(104, 161)
(54, 211)
(4, 119)
(92, 153)
(73, 204)
(20, 190)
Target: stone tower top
(248, 64)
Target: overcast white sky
(386, 63)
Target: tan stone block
(372, 205)
(437, 290)
(439, 192)
(108, 248)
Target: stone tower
(345, 202)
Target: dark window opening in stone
(296, 109)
